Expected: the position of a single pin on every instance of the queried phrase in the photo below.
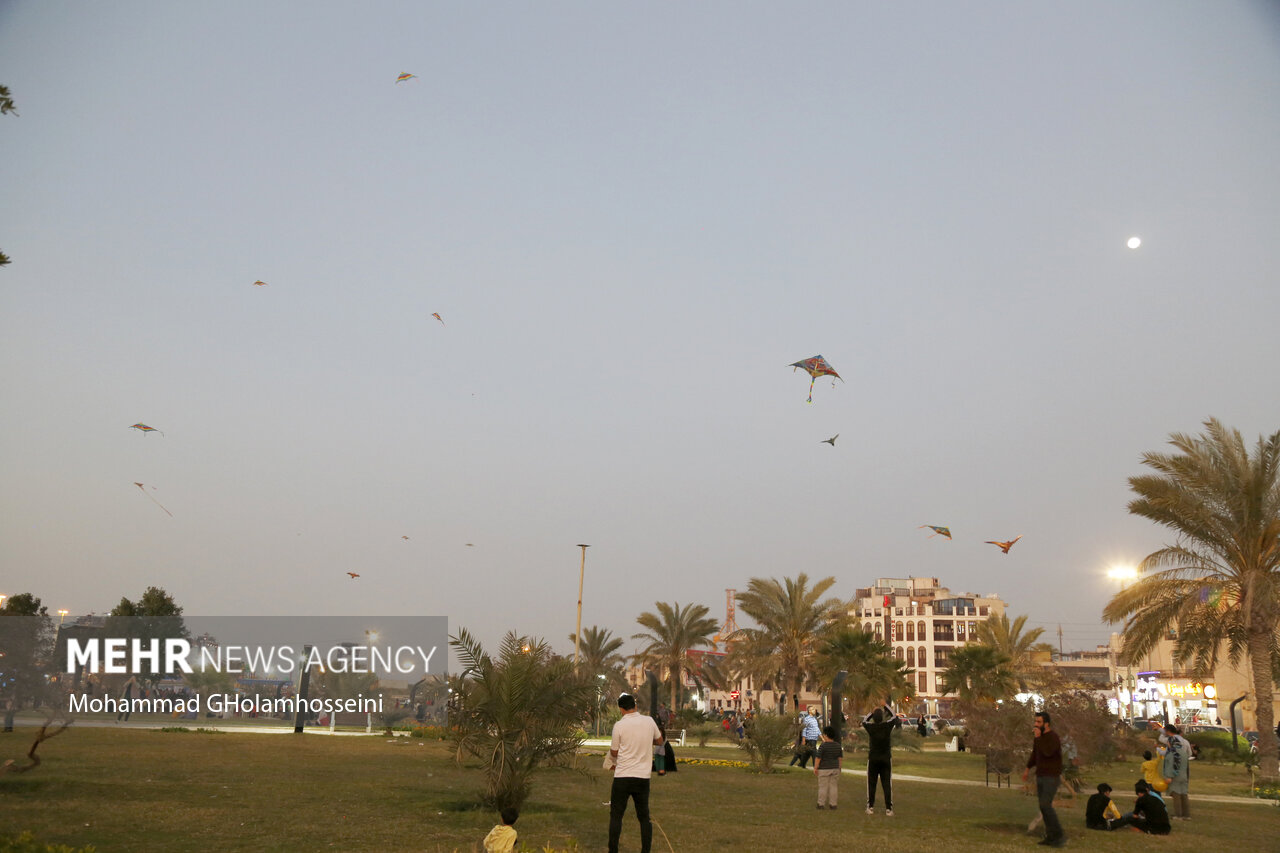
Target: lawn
(138, 790)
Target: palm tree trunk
(1260, 662)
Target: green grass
(133, 790)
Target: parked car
(1200, 727)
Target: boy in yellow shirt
(502, 838)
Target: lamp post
(599, 692)
(1124, 574)
(2, 598)
(62, 616)
(577, 635)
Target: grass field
(138, 790)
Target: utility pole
(1059, 641)
(577, 635)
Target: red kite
(815, 367)
(354, 575)
(438, 317)
(405, 75)
(145, 428)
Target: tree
(1021, 649)
(978, 673)
(601, 665)
(1218, 585)
(153, 618)
(874, 673)
(6, 106)
(790, 618)
(515, 713)
(673, 632)
(26, 649)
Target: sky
(631, 219)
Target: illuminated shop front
(1184, 699)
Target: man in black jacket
(880, 724)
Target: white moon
(1134, 242)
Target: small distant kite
(438, 317)
(404, 537)
(259, 283)
(471, 545)
(1003, 546)
(145, 428)
(354, 575)
(941, 531)
(143, 489)
(405, 75)
(831, 441)
(815, 367)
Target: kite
(943, 531)
(817, 366)
(471, 545)
(1003, 546)
(259, 283)
(405, 75)
(354, 575)
(143, 489)
(831, 441)
(438, 317)
(145, 428)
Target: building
(923, 622)
(1156, 684)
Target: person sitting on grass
(502, 838)
(1149, 814)
(1100, 811)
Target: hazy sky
(632, 219)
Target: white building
(923, 622)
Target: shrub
(768, 739)
(26, 843)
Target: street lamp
(1125, 573)
(2, 598)
(599, 692)
(577, 636)
(62, 614)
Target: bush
(1215, 748)
(768, 739)
(705, 731)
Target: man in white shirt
(631, 752)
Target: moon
(1134, 242)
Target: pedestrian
(1176, 768)
(1101, 810)
(922, 728)
(502, 838)
(631, 756)
(809, 733)
(879, 725)
(1046, 758)
(827, 768)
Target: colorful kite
(354, 575)
(404, 537)
(438, 317)
(144, 428)
(817, 366)
(405, 75)
(1003, 546)
(831, 441)
(143, 489)
(940, 531)
(259, 283)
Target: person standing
(1046, 758)
(1176, 769)
(880, 724)
(809, 733)
(827, 768)
(631, 754)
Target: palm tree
(516, 712)
(673, 632)
(600, 665)
(791, 618)
(1219, 584)
(978, 673)
(1021, 649)
(874, 673)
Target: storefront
(1183, 699)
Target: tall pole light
(62, 614)
(1124, 574)
(577, 635)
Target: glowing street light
(62, 616)
(1123, 573)
(2, 598)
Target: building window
(960, 631)
(897, 631)
(943, 631)
(867, 627)
(920, 657)
(898, 652)
(983, 610)
(920, 630)
(878, 631)
(924, 683)
(911, 656)
(911, 630)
